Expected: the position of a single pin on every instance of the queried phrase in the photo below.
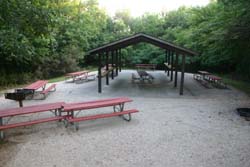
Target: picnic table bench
(116, 103)
(53, 107)
(216, 81)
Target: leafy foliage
(46, 38)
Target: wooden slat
(14, 125)
(30, 109)
(36, 85)
(95, 104)
(92, 117)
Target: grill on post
(19, 95)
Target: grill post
(1, 132)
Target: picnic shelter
(110, 56)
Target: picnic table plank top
(204, 72)
(36, 85)
(30, 109)
(77, 73)
(95, 104)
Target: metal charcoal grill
(19, 95)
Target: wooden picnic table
(66, 112)
(144, 75)
(214, 78)
(74, 75)
(203, 75)
(21, 94)
(37, 85)
(116, 103)
(53, 107)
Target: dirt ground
(199, 129)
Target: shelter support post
(107, 68)
(182, 74)
(112, 63)
(120, 60)
(176, 70)
(172, 65)
(100, 73)
(116, 62)
(168, 60)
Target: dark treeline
(47, 38)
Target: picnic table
(37, 85)
(118, 110)
(9, 113)
(40, 84)
(201, 75)
(142, 76)
(66, 113)
(78, 74)
(205, 78)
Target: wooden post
(120, 60)
(107, 68)
(176, 70)
(182, 74)
(168, 60)
(100, 73)
(116, 62)
(20, 103)
(112, 63)
(172, 65)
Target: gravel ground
(199, 129)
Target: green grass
(57, 79)
(238, 84)
(51, 80)
(2, 142)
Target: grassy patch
(2, 142)
(57, 79)
(238, 84)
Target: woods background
(48, 38)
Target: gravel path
(199, 129)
